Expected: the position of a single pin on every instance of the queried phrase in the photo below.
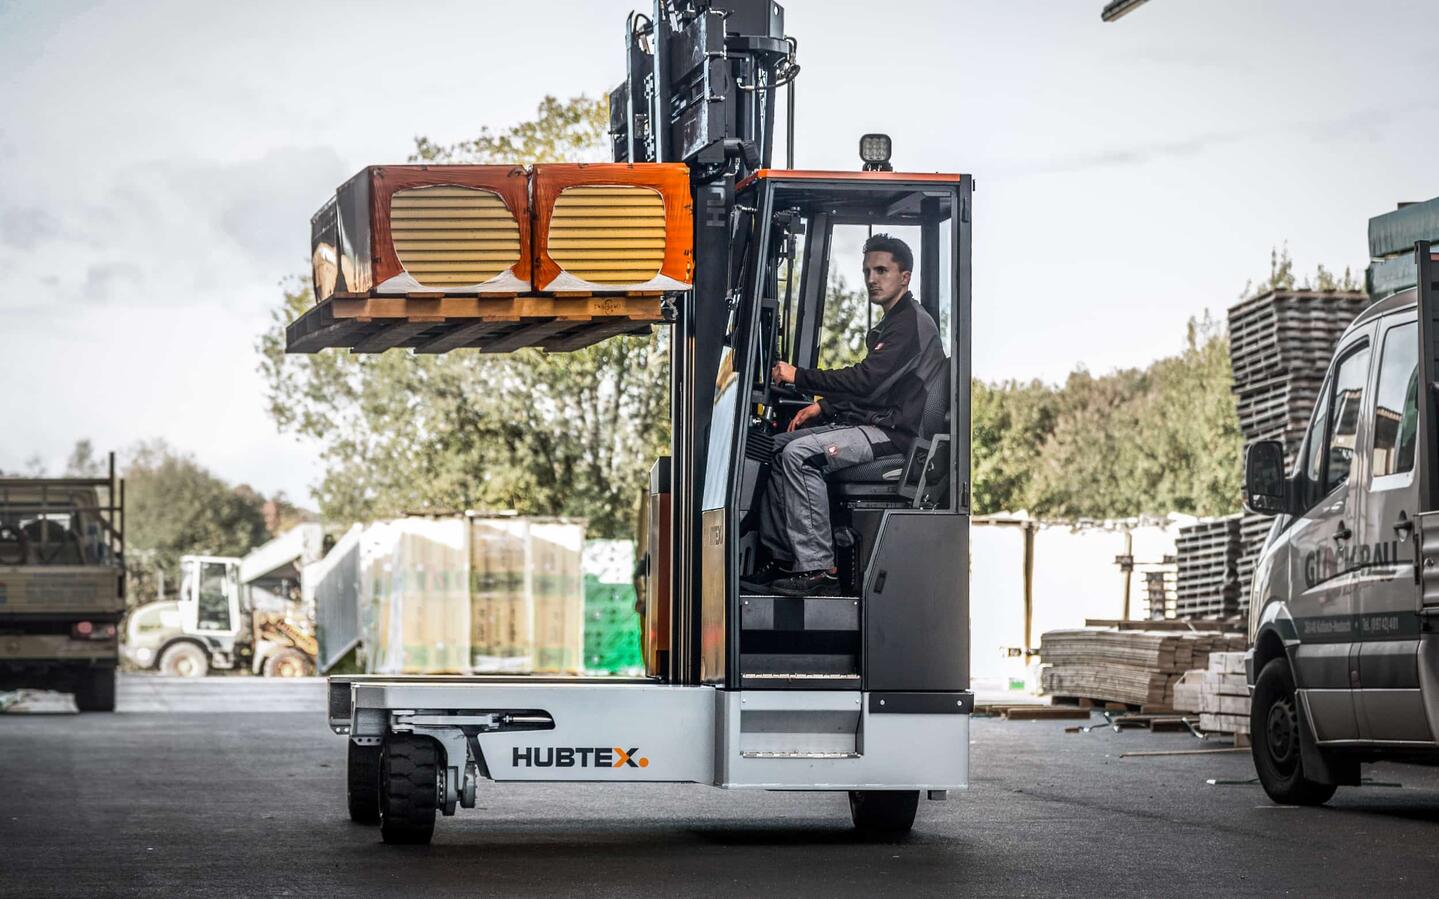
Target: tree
(173, 507)
(568, 434)
(83, 463)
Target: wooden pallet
(491, 324)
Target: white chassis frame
(751, 739)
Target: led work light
(875, 150)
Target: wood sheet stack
(1218, 692)
(1252, 531)
(1128, 666)
(1208, 554)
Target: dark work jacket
(887, 389)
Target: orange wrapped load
(403, 229)
(613, 227)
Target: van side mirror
(1265, 489)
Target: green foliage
(173, 507)
(565, 434)
(1157, 440)
(1281, 277)
(846, 321)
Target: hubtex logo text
(578, 757)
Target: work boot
(807, 583)
(768, 573)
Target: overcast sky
(159, 162)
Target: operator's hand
(803, 416)
(782, 373)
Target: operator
(868, 410)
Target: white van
(1344, 608)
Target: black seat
(886, 470)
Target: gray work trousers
(794, 520)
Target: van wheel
(184, 660)
(409, 789)
(883, 813)
(289, 663)
(1274, 727)
(362, 772)
(95, 690)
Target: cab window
(1348, 397)
(1396, 403)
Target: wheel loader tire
(1275, 740)
(289, 663)
(362, 791)
(883, 813)
(95, 690)
(409, 789)
(184, 660)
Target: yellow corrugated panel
(446, 236)
(608, 235)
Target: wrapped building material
(331, 586)
(526, 595)
(416, 604)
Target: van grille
(449, 236)
(608, 234)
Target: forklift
(866, 692)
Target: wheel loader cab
(898, 522)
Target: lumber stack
(1218, 693)
(1129, 666)
(1208, 556)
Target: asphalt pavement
(230, 802)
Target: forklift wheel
(362, 770)
(1274, 724)
(883, 813)
(409, 789)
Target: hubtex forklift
(866, 692)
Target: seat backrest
(936, 403)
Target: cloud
(24, 227)
(167, 232)
(105, 280)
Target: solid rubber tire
(362, 792)
(888, 813)
(95, 690)
(1285, 783)
(409, 778)
(177, 649)
(272, 664)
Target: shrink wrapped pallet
(526, 595)
(415, 574)
(499, 606)
(558, 591)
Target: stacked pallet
(1218, 692)
(1252, 531)
(612, 626)
(1127, 666)
(1280, 343)
(1208, 580)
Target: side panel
(916, 604)
(837, 741)
(602, 732)
(49, 589)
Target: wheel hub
(1282, 730)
